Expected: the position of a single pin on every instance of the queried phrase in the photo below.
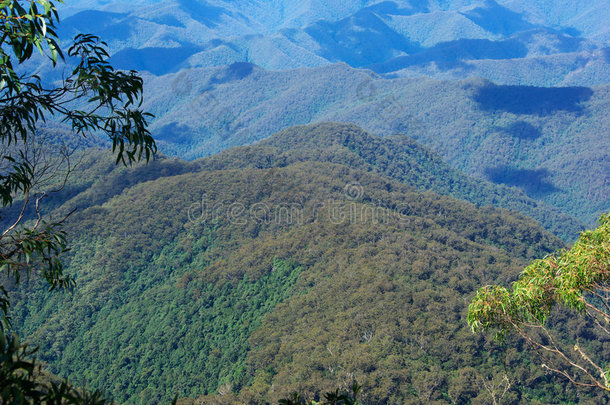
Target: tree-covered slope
(261, 281)
(550, 142)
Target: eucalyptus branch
(567, 279)
(20, 217)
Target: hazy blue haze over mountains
(445, 39)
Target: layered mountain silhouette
(221, 74)
(433, 38)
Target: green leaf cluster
(566, 277)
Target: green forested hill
(396, 157)
(213, 277)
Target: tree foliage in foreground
(92, 99)
(578, 279)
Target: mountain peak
(319, 135)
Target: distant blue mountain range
(450, 39)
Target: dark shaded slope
(92, 21)
(455, 54)
(530, 100)
(497, 19)
(360, 40)
(149, 59)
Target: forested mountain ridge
(398, 157)
(550, 142)
(316, 257)
(185, 280)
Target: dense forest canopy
(355, 172)
(296, 276)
